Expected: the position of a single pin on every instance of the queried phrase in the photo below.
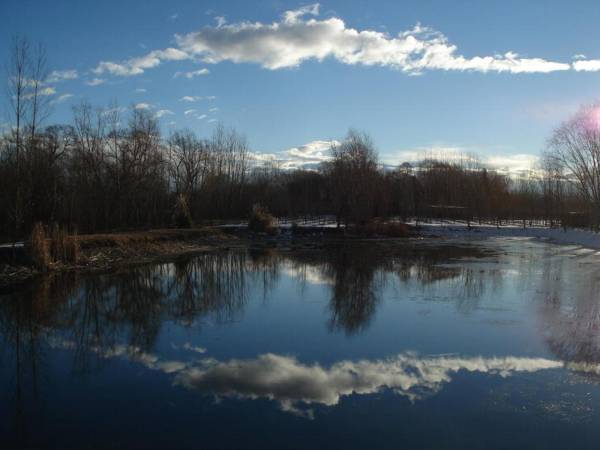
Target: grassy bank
(43, 252)
(53, 250)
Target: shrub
(261, 221)
(38, 247)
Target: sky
(421, 77)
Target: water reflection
(134, 304)
(102, 317)
(570, 311)
(296, 386)
(357, 276)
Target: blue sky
(487, 77)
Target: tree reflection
(25, 318)
(570, 311)
(210, 284)
(358, 273)
(99, 315)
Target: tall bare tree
(38, 97)
(17, 73)
(353, 174)
(575, 148)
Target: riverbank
(110, 251)
(107, 251)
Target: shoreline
(112, 251)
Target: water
(426, 345)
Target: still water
(452, 345)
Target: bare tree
(17, 96)
(17, 86)
(552, 189)
(38, 97)
(575, 148)
(353, 173)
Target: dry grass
(135, 238)
(64, 246)
(56, 245)
(39, 248)
(261, 221)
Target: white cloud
(315, 150)
(137, 66)
(163, 112)
(192, 74)
(506, 163)
(307, 156)
(211, 121)
(187, 112)
(313, 154)
(220, 21)
(95, 82)
(213, 109)
(45, 92)
(192, 348)
(61, 98)
(141, 90)
(143, 106)
(201, 117)
(297, 38)
(62, 75)
(196, 98)
(588, 65)
(512, 163)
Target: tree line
(112, 168)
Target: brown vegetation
(38, 247)
(261, 221)
(54, 246)
(64, 245)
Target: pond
(423, 344)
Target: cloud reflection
(296, 386)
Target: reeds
(56, 245)
(39, 248)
